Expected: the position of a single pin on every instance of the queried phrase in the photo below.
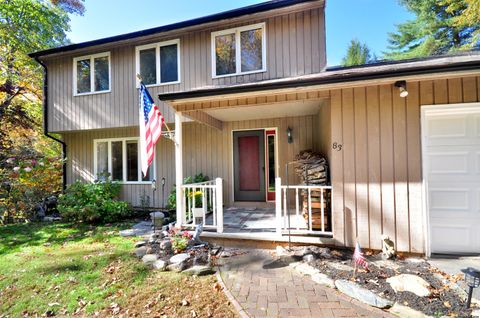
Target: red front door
(249, 165)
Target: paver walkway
(264, 291)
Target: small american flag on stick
(151, 122)
(358, 257)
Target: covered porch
(259, 198)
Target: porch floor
(254, 220)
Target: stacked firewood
(312, 169)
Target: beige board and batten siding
(80, 162)
(206, 150)
(210, 151)
(295, 46)
(377, 176)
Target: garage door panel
(452, 173)
(449, 199)
(443, 238)
(447, 127)
(448, 162)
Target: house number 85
(337, 147)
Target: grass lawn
(78, 270)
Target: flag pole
(170, 134)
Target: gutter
(45, 123)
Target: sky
(367, 20)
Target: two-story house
(245, 91)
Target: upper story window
(239, 51)
(159, 63)
(91, 74)
(120, 158)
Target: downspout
(45, 123)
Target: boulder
(323, 279)
(306, 269)
(177, 267)
(179, 258)
(160, 265)
(404, 311)
(411, 283)
(166, 245)
(141, 251)
(309, 258)
(364, 295)
(140, 244)
(199, 270)
(149, 259)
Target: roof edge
(356, 74)
(234, 13)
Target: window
(120, 158)
(239, 51)
(159, 63)
(91, 74)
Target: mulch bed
(442, 302)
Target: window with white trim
(239, 51)
(120, 159)
(91, 74)
(159, 63)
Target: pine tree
(357, 54)
(435, 30)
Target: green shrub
(93, 203)
(172, 198)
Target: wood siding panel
(374, 167)
(337, 168)
(295, 46)
(391, 134)
(361, 166)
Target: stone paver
(266, 289)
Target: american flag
(151, 121)
(358, 257)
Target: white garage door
(451, 165)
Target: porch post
(278, 205)
(219, 204)
(179, 169)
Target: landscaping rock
(309, 258)
(179, 258)
(411, 283)
(305, 269)
(386, 264)
(140, 244)
(166, 245)
(404, 311)
(364, 295)
(323, 279)
(149, 259)
(177, 267)
(141, 251)
(160, 265)
(199, 270)
(340, 266)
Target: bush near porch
(81, 270)
(172, 198)
(93, 203)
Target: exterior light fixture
(472, 279)
(289, 135)
(402, 87)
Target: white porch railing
(306, 209)
(203, 203)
